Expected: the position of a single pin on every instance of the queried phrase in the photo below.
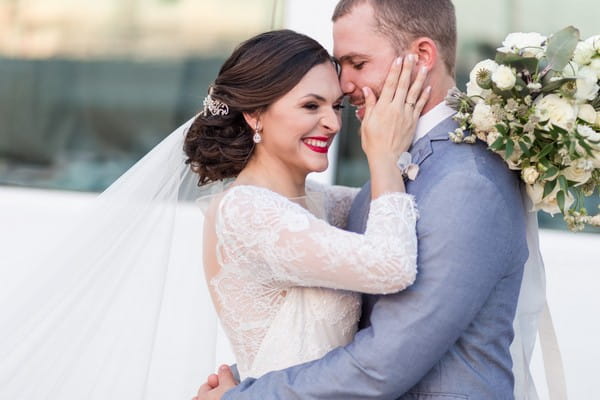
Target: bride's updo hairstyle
(261, 70)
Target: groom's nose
(346, 82)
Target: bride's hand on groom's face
(388, 126)
(216, 385)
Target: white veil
(117, 309)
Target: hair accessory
(215, 107)
(257, 138)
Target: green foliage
(561, 47)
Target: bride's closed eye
(311, 106)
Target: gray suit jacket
(447, 336)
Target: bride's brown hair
(259, 71)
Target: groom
(447, 336)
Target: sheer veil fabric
(119, 308)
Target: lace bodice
(285, 280)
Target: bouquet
(537, 105)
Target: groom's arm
(464, 249)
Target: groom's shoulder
(473, 160)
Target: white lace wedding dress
(285, 280)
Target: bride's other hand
(389, 124)
(224, 382)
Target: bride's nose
(331, 121)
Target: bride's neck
(273, 175)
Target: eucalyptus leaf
(549, 187)
(498, 144)
(502, 129)
(550, 172)
(546, 150)
(510, 148)
(560, 197)
(518, 62)
(561, 47)
(563, 183)
(524, 148)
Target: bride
(117, 308)
(272, 259)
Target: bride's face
(298, 129)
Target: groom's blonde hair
(405, 20)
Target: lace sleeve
(338, 200)
(262, 230)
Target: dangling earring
(257, 138)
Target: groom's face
(365, 55)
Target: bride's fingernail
(365, 91)
(424, 70)
(398, 60)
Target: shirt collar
(432, 118)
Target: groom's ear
(426, 50)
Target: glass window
(87, 89)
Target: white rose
(530, 175)
(595, 65)
(550, 203)
(529, 44)
(483, 119)
(504, 78)
(557, 110)
(580, 171)
(587, 113)
(584, 53)
(587, 84)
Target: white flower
(594, 41)
(476, 93)
(570, 70)
(534, 86)
(550, 203)
(580, 171)
(590, 134)
(492, 137)
(504, 77)
(595, 65)
(584, 53)
(528, 44)
(530, 175)
(587, 113)
(473, 89)
(557, 110)
(587, 84)
(483, 119)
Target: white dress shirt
(433, 117)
